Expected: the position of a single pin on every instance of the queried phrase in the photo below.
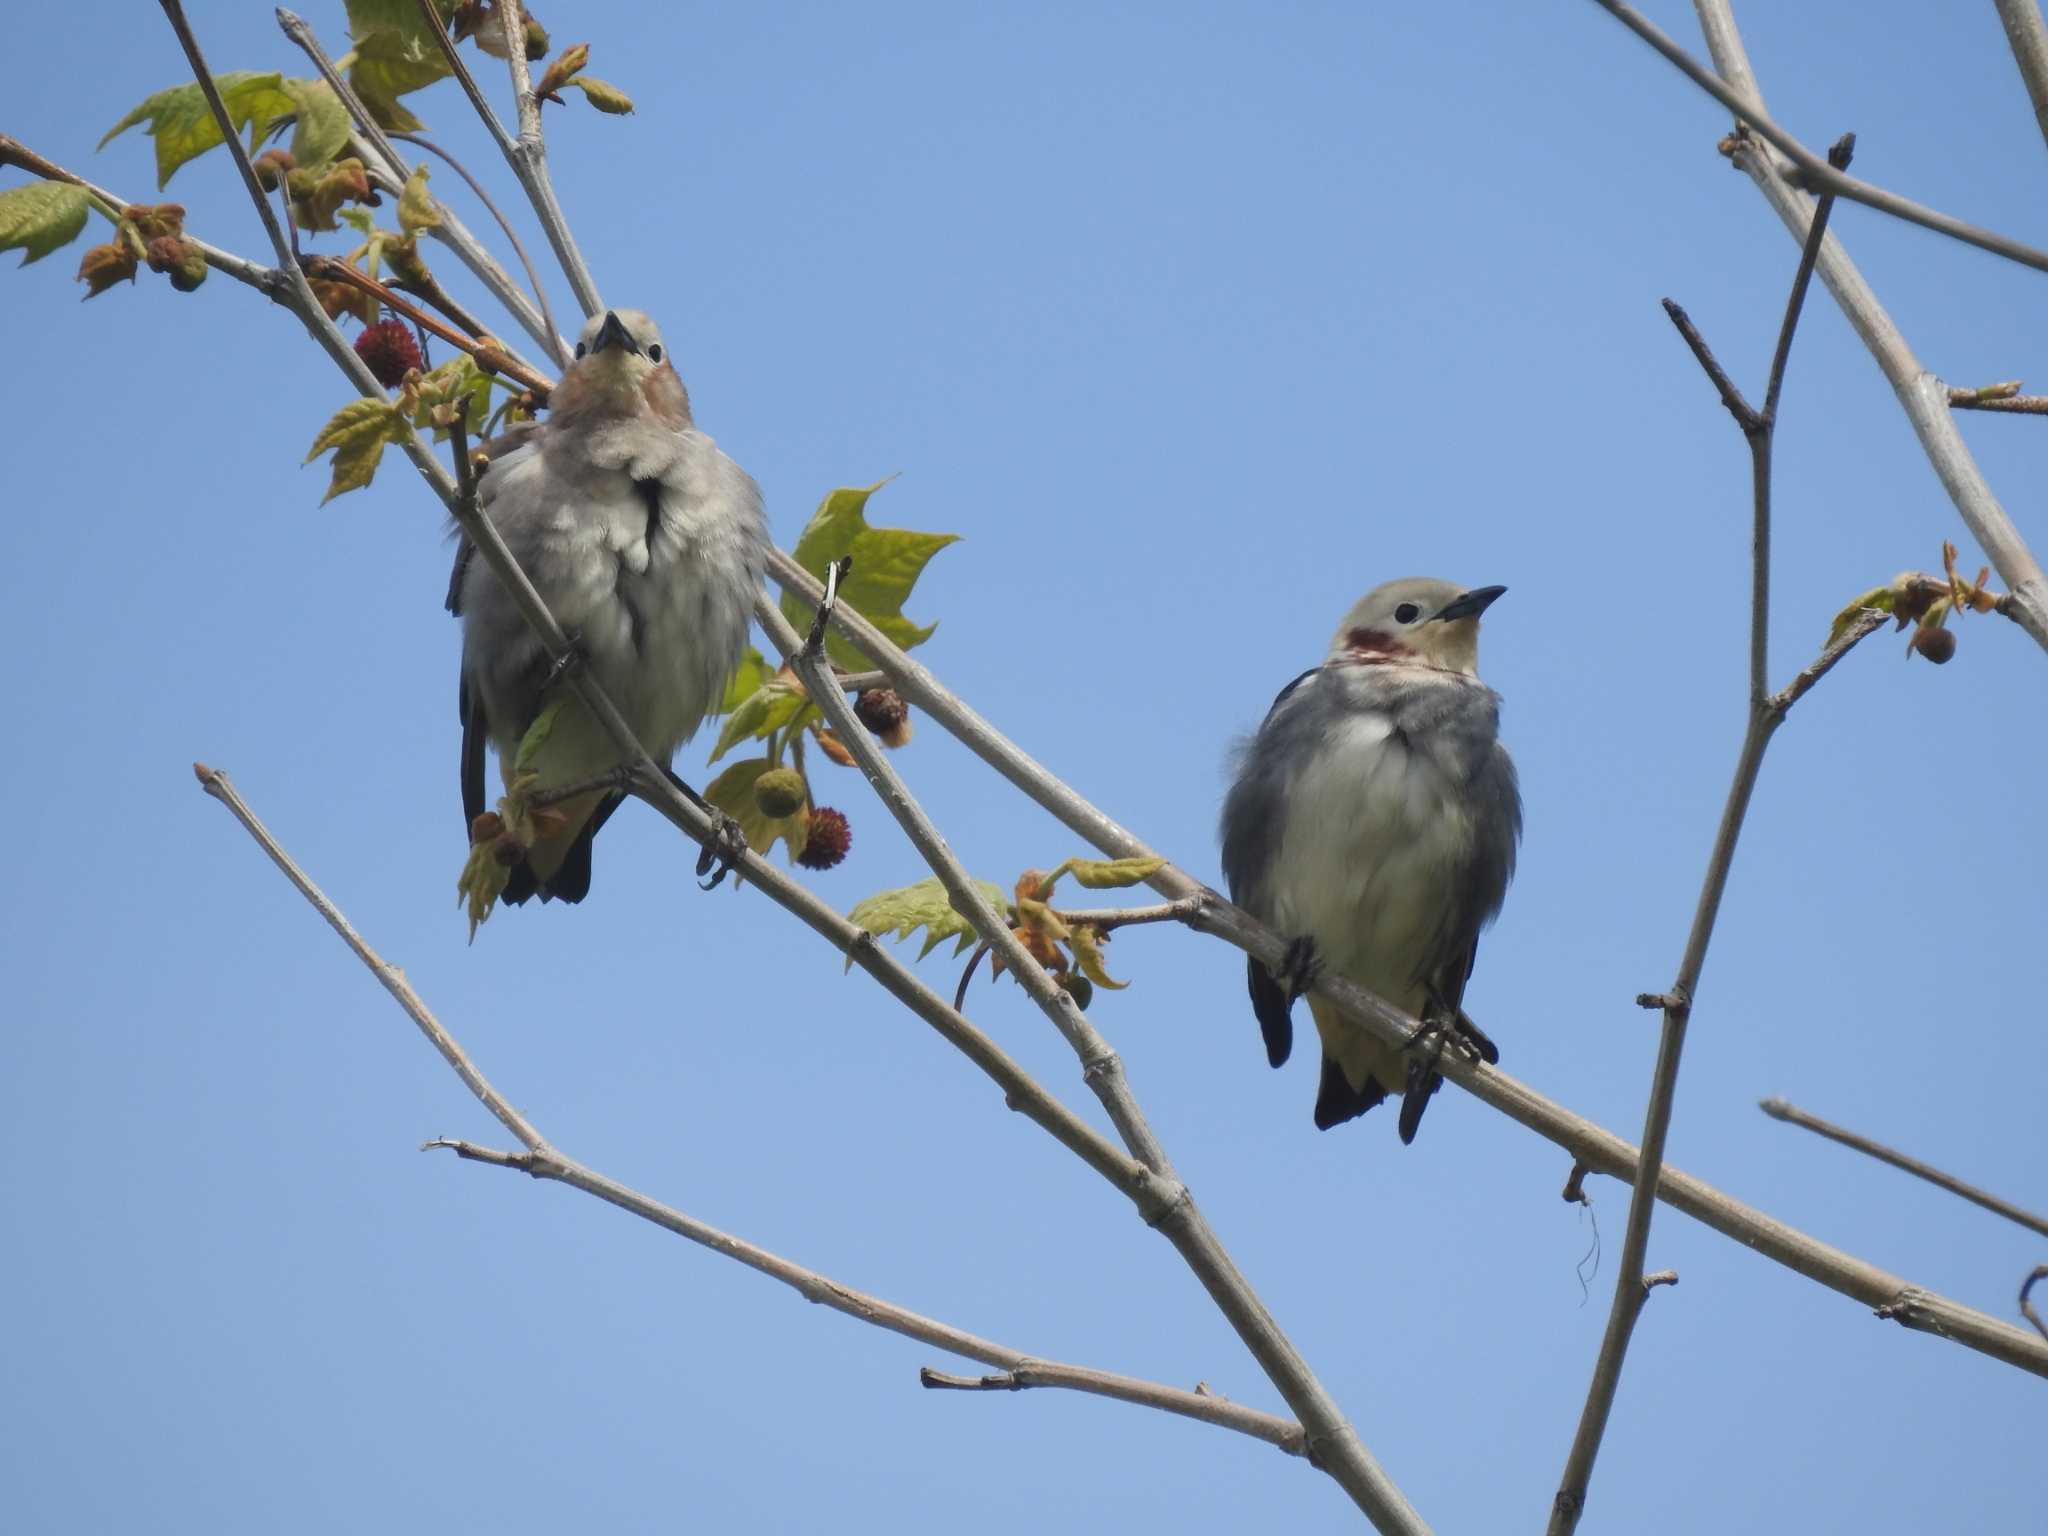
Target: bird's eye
(581, 349)
(654, 352)
(1407, 613)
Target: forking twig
(1921, 395)
(533, 315)
(526, 154)
(1632, 1286)
(1813, 172)
(543, 1161)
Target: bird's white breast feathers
(1372, 838)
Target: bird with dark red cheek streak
(647, 544)
(1374, 820)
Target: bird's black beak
(1471, 604)
(613, 333)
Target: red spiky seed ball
(829, 838)
(388, 351)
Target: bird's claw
(1440, 1028)
(1300, 966)
(722, 855)
(1426, 1045)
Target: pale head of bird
(621, 369)
(1419, 620)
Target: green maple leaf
(886, 565)
(38, 218)
(389, 63)
(182, 124)
(751, 673)
(761, 713)
(357, 434)
(323, 125)
(1105, 874)
(925, 905)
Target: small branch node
(1575, 1185)
(1002, 1381)
(1658, 1277)
(1908, 1309)
(835, 573)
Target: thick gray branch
(2028, 35)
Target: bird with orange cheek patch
(647, 544)
(1374, 820)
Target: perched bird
(1373, 820)
(646, 543)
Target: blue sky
(1194, 322)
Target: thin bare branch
(512, 29)
(540, 293)
(389, 976)
(1839, 156)
(459, 67)
(2014, 404)
(543, 1161)
(2028, 35)
(1923, 396)
(1183, 910)
(1334, 1445)
(530, 162)
(1791, 1114)
(1206, 1406)
(1598, 1149)
(1631, 1286)
(1867, 622)
(867, 1308)
(526, 154)
(1746, 416)
(1812, 171)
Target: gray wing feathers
(1252, 821)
